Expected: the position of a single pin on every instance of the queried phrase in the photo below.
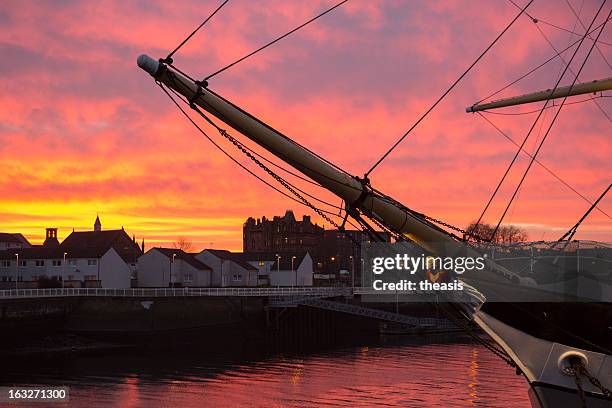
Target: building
(336, 255)
(280, 234)
(53, 267)
(9, 241)
(170, 267)
(84, 259)
(294, 269)
(228, 269)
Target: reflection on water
(403, 372)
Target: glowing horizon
(84, 131)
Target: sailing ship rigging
(565, 360)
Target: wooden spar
(577, 89)
(350, 189)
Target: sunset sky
(83, 130)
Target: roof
(187, 257)
(7, 237)
(255, 256)
(45, 252)
(230, 256)
(102, 241)
(285, 260)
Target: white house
(91, 267)
(228, 269)
(164, 267)
(292, 269)
(84, 259)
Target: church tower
(97, 224)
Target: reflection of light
(364, 350)
(473, 394)
(296, 375)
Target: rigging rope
(503, 178)
(538, 67)
(542, 165)
(556, 113)
(432, 107)
(168, 59)
(275, 40)
(535, 21)
(572, 231)
(225, 152)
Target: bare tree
(506, 234)
(183, 244)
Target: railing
(173, 292)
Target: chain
(275, 176)
(577, 369)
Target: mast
(577, 89)
(347, 187)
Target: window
(56, 262)
(72, 262)
(35, 278)
(90, 277)
(91, 262)
(20, 278)
(188, 277)
(6, 264)
(22, 263)
(4, 279)
(38, 262)
(237, 278)
(70, 277)
(262, 263)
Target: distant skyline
(85, 131)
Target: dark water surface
(397, 371)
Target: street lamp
(292, 270)
(17, 255)
(64, 269)
(172, 270)
(278, 257)
(352, 271)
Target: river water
(393, 371)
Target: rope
(384, 156)
(503, 178)
(225, 152)
(543, 166)
(538, 67)
(275, 40)
(168, 59)
(556, 113)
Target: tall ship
(555, 331)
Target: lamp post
(278, 257)
(17, 266)
(172, 270)
(64, 269)
(352, 272)
(293, 270)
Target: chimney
(51, 238)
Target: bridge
(319, 292)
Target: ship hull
(540, 361)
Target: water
(405, 372)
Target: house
(164, 267)
(263, 261)
(10, 241)
(228, 269)
(292, 269)
(84, 259)
(82, 267)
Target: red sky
(84, 131)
